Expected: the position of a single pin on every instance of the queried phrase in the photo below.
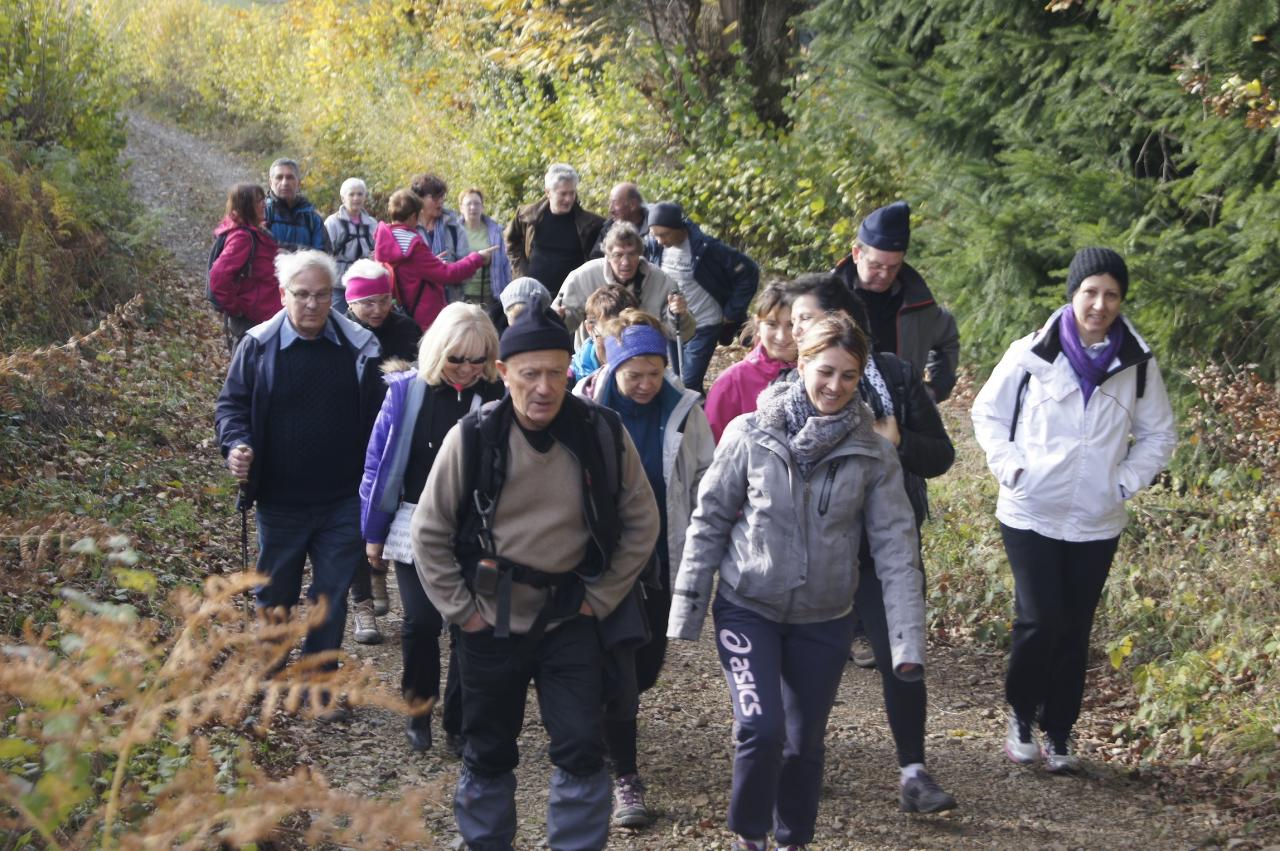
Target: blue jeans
(782, 681)
(330, 535)
(697, 356)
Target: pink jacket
(420, 275)
(734, 393)
(255, 297)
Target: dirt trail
(685, 748)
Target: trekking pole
(242, 505)
(675, 326)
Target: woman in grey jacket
(779, 518)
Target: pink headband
(358, 288)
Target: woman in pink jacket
(420, 275)
(242, 277)
(735, 391)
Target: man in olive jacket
(550, 238)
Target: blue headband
(637, 340)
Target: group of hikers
(513, 421)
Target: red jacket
(256, 297)
(420, 275)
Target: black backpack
(363, 237)
(219, 243)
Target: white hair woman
(1075, 421)
(351, 231)
(455, 374)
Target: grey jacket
(786, 547)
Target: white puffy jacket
(1070, 468)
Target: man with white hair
(551, 237)
(293, 420)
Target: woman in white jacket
(671, 433)
(1074, 421)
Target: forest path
(685, 721)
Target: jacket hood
(397, 369)
(229, 224)
(384, 237)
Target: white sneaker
(1060, 756)
(366, 625)
(1020, 743)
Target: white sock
(909, 771)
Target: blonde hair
(629, 317)
(835, 329)
(458, 329)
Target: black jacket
(925, 451)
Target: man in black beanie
(535, 522)
(717, 281)
(905, 319)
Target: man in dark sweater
(293, 420)
(550, 238)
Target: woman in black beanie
(1074, 421)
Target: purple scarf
(1090, 368)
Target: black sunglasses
(458, 360)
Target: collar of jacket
(1048, 345)
(915, 292)
(300, 203)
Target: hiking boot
(628, 802)
(418, 729)
(861, 654)
(381, 602)
(1019, 743)
(922, 794)
(366, 625)
(1060, 755)
(331, 709)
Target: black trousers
(620, 729)
(904, 702)
(566, 666)
(1057, 585)
(419, 639)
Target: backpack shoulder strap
(1017, 404)
(1142, 378)
(608, 428)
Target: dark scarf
(810, 435)
(1090, 368)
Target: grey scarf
(786, 408)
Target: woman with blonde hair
(793, 487)
(455, 375)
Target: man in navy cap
(534, 524)
(905, 318)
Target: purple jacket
(385, 460)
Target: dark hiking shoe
(741, 844)
(922, 794)
(629, 809)
(418, 730)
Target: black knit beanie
(532, 332)
(1097, 261)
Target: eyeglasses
(458, 360)
(310, 298)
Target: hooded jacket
(420, 275)
(736, 390)
(729, 276)
(381, 488)
(687, 448)
(927, 335)
(243, 406)
(1070, 467)
(255, 297)
(299, 226)
(786, 547)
